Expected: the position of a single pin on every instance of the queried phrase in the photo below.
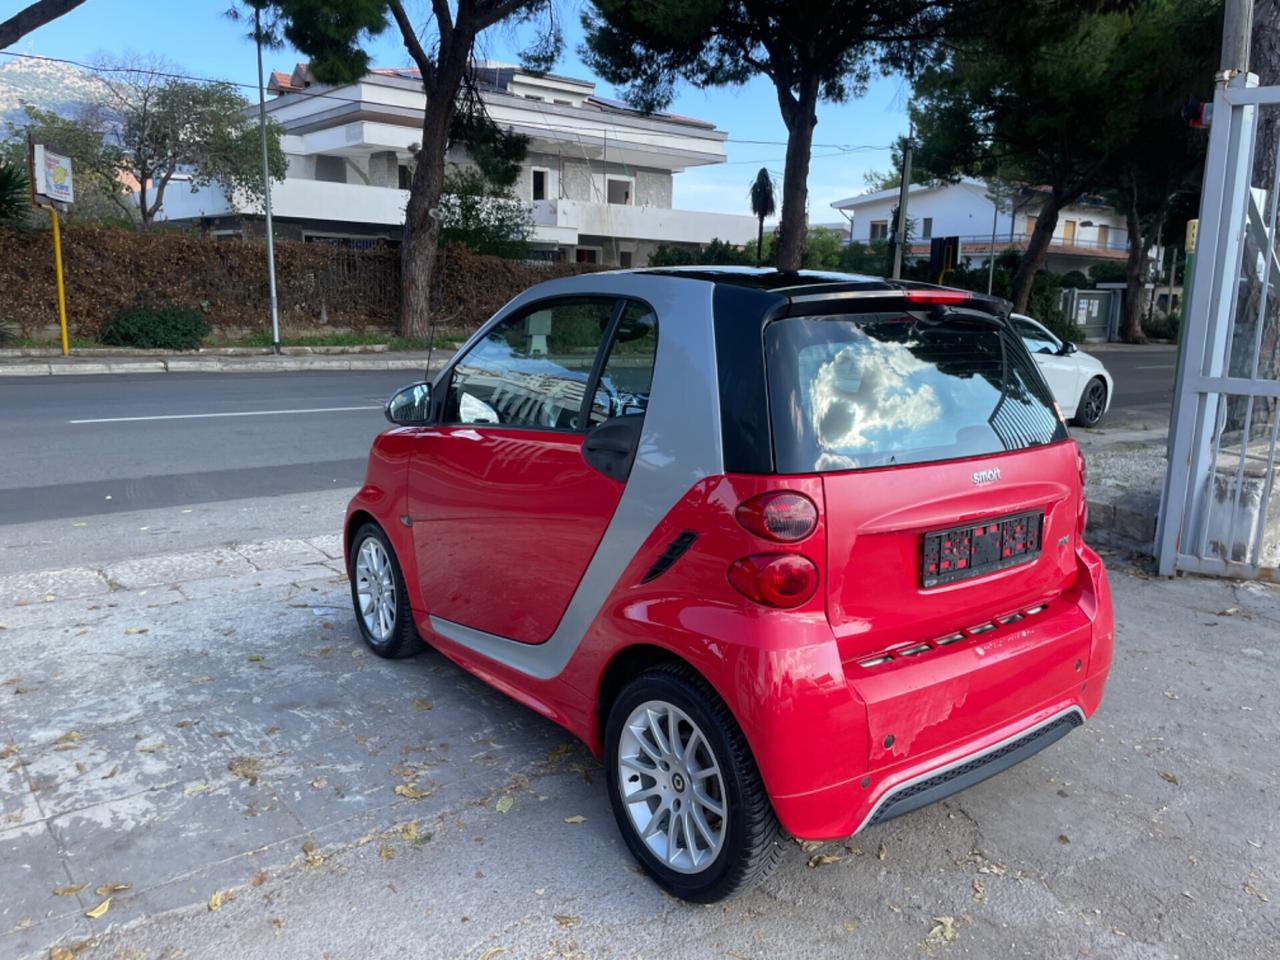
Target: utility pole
(1237, 29)
(266, 186)
(900, 234)
(991, 254)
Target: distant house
(598, 176)
(1088, 231)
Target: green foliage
(497, 152)
(763, 205)
(1108, 271)
(332, 34)
(8, 335)
(160, 325)
(483, 216)
(822, 248)
(715, 253)
(15, 199)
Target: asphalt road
(100, 468)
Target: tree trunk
(800, 115)
(36, 15)
(760, 243)
(1037, 249)
(1131, 326)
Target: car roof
(798, 285)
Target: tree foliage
(763, 206)
(148, 129)
(483, 216)
(15, 200)
(335, 33)
(811, 51)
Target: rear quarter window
(853, 391)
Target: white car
(1080, 383)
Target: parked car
(1080, 383)
(790, 552)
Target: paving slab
(42, 586)
(177, 568)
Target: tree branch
(36, 15)
(411, 42)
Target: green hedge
(156, 326)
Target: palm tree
(13, 195)
(762, 205)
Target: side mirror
(411, 404)
(1069, 348)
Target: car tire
(692, 853)
(1093, 403)
(378, 595)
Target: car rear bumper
(920, 766)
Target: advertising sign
(53, 176)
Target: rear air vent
(917, 649)
(674, 551)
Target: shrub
(156, 326)
(7, 334)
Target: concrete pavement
(206, 730)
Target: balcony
(555, 221)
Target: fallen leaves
(254, 658)
(69, 891)
(1253, 891)
(215, 901)
(100, 910)
(822, 859)
(882, 852)
(411, 791)
(71, 736)
(1168, 777)
(7, 751)
(943, 931)
(566, 920)
(152, 747)
(195, 789)
(576, 818)
(246, 768)
(312, 856)
(387, 852)
(134, 631)
(109, 888)
(504, 804)
(1229, 612)
(420, 704)
(1063, 839)
(60, 953)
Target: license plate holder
(972, 550)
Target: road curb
(227, 364)
(1123, 517)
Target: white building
(598, 175)
(1088, 231)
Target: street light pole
(900, 234)
(266, 186)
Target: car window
(532, 368)
(879, 389)
(1036, 337)
(627, 376)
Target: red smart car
(792, 552)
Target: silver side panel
(679, 446)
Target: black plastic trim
(673, 552)
(967, 774)
(740, 316)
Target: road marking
(205, 416)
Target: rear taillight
(1082, 517)
(775, 579)
(937, 296)
(781, 515)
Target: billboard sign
(52, 174)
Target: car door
(1059, 371)
(506, 510)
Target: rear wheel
(379, 596)
(1093, 403)
(685, 789)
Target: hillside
(49, 86)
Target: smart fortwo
(792, 552)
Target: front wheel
(685, 790)
(1093, 403)
(379, 596)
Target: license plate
(971, 551)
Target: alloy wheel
(672, 787)
(376, 589)
(1094, 399)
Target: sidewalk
(28, 363)
(200, 742)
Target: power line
(842, 148)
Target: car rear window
(852, 391)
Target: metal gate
(1219, 513)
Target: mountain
(44, 84)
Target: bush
(7, 333)
(156, 326)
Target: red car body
(873, 684)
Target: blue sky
(207, 44)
